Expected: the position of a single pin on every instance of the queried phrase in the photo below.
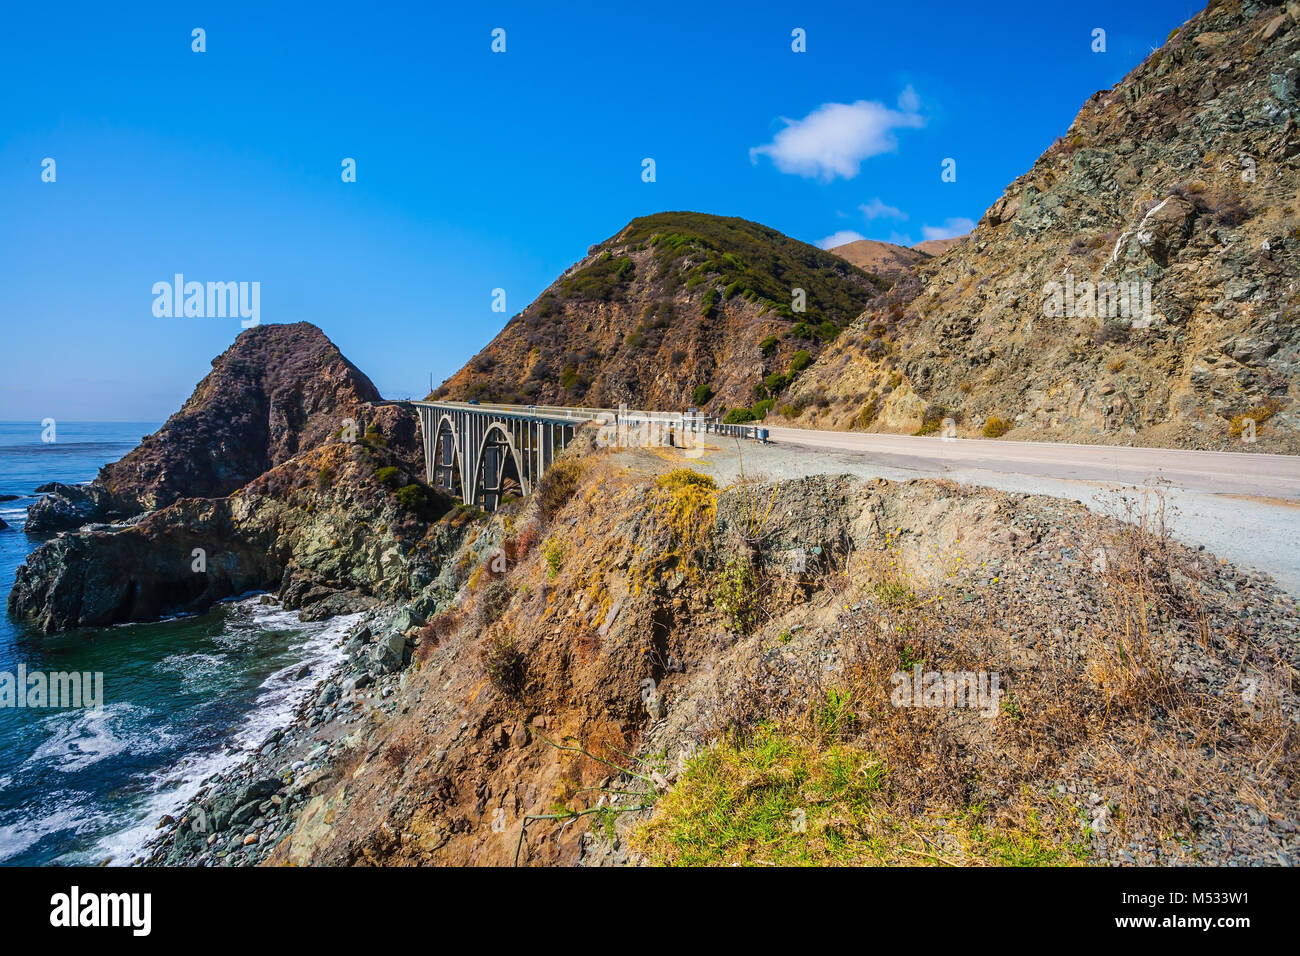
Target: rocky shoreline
(239, 816)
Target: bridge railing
(699, 424)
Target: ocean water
(182, 698)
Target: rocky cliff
(277, 391)
(1179, 186)
(334, 529)
(648, 664)
(281, 472)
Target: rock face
(277, 391)
(332, 530)
(258, 482)
(674, 303)
(1181, 183)
(70, 506)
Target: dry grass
(1097, 701)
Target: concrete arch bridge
(483, 452)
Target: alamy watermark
(976, 690)
(1099, 300)
(657, 430)
(60, 690)
(212, 300)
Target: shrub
(557, 486)
(709, 306)
(760, 409)
(800, 361)
(932, 418)
(768, 345)
(867, 416)
(687, 502)
(1259, 414)
(388, 476)
(775, 382)
(736, 594)
(493, 603)
(738, 416)
(553, 552)
(701, 395)
(997, 427)
(505, 665)
(324, 477)
(420, 500)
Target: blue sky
(475, 170)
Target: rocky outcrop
(332, 530)
(279, 390)
(1179, 183)
(70, 506)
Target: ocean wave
(278, 699)
(81, 738)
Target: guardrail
(707, 425)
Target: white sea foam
(279, 698)
(80, 738)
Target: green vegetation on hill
(754, 262)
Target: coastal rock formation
(277, 391)
(283, 471)
(332, 530)
(70, 506)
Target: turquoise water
(182, 698)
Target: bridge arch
(448, 466)
(496, 465)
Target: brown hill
(937, 247)
(679, 308)
(885, 259)
(1180, 183)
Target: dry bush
(525, 540)
(434, 632)
(558, 486)
(505, 664)
(685, 503)
(396, 755)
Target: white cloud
(901, 239)
(839, 239)
(835, 138)
(875, 209)
(952, 227)
(908, 101)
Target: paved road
(1242, 507)
(1236, 473)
